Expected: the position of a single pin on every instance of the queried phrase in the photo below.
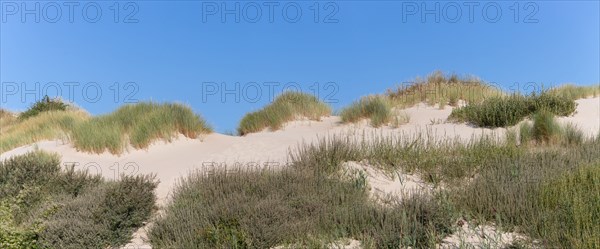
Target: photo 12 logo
(472, 11)
(253, 92)
(69, 12)
(89, 92)
(269, 12)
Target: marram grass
(286, 107)
(376, 108)
(44, 126)
(137, 125)
(440, 88)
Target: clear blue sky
(183, 51)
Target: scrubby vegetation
(437, 88)
(136, 124)
(44, 105)
(264, 209)
(440, 88)
(286, 107)
(510, 110)
(44, 206)
(376, 108)
(531, 190)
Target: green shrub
(32, 169)
(286, 107)
(376, 108)
(44, 105)
(263, 209)
(102, 217)
(510, 110)
(557, 105)
(43, 206)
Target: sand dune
(171, 161)
(176, 159)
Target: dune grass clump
(376, 108)
(265, 208)
(286, 107)
(45, 126)
(576, 92)
(510, 110)
(45, 206)
(44, 105)
(545, 130)
(440, 88)
(139, 125)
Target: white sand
(387, 187)
(171, 161)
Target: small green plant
(44, 105)
(545, 129)
(376, 108)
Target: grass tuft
(286, 107)
(376, 108)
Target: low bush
(44, 105)
(510, 110)
(264, 209)
(44, 206)
(376, 108)
(286, 107)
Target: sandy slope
(170, 161)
